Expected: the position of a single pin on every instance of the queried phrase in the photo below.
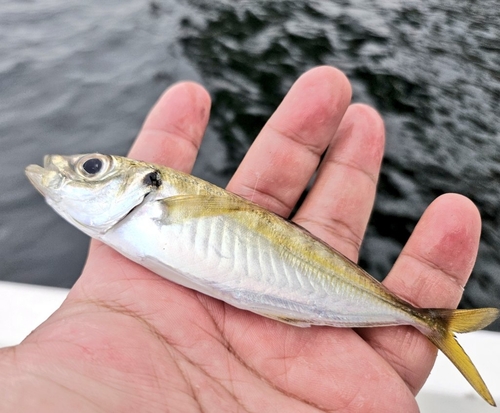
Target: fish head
(93, 191)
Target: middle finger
(286, 153)
(340, 202)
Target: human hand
(128, 340)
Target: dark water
(80, 77)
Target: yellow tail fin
(462, 321)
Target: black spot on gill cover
(153, 179)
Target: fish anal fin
(293, 321)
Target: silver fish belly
(221, 257)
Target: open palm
(128, 340)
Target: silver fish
(210, 240)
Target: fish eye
(93, 166)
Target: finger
(286, 153)
(430, 272)
(173, 130)
(339, 204)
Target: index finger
(172, 132)
(173, 129)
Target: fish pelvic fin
(446, 323)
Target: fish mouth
(48, 177)
(35, 174)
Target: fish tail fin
(447, 322)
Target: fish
(205, 238)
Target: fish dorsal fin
(180, 208)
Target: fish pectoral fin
(180, 208)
